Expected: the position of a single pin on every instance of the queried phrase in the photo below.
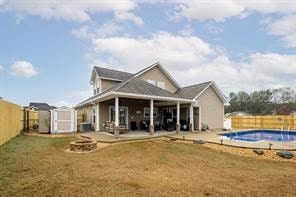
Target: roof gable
(162, 69)
(195, 91)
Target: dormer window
(151, 82)
(161, 84)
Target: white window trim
(161, 84)
(155, 110)
(153, 82)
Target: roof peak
(196, 84)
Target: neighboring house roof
(112, 74)
(192, 91)
(41, 106)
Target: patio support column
(178, 118)
(191, 127)
(151, 126)
(116, 126)
(98, 117)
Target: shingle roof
(42, 106)
(192, 91)
(138, 86)
(112, 74)
(133, 85)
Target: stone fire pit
(83, 145)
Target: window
(147, 112)
(161, 84)
(151, 82)
(98, 86)
(94, 115)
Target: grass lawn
(37, 166)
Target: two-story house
(151, 100)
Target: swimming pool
(262, 135)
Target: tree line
(280, 101)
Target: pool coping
(254, 141)
(214, 138)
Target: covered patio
(131, 116)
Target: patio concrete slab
(209, 136)
(129, 136)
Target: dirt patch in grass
(245, 152)
(40, 166)
(268, 154)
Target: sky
(47, 49)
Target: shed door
(64, 121)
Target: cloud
(127, 16)
(23, 69)
(62, 103)
(207, 10)
(191, 60)
(72, 98)
(187, 31)
(109, 28)
(284, 27)
(219, 11)
(79, 95)
(1, 68)
(164, 47)
(212, 29)
(78, 11)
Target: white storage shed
(63, 120)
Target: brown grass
(36, 166)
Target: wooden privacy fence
(30, 118)
(264, 122)
(10, 120)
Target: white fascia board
(110, 79)
(92, 73)
(138, 96)
(144, 96)
(169, 75)
(203, 91)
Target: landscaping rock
(285, 154)
(258, 151)
(198, 142)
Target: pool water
(259, 135)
